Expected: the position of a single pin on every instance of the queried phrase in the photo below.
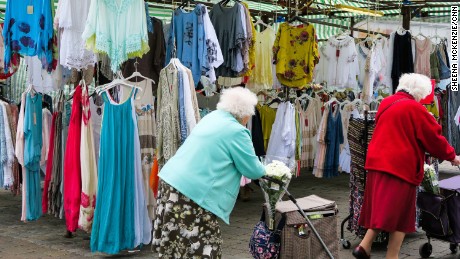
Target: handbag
(265, 243)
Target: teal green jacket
(208, 167)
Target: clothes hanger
(185, 3)
(137, 74)
(225, 2)
(103, 88)
(261, 22)
(296, 18)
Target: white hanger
(333, 99)
(137, 74)
(305, 95)
(344, 103)
(263, 23)
(103, 88)
(30, 89)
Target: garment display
(15, 59)
(120, 191)
(295, 53)
(283, 134)
(32, 153)
(261, 78)
(72, 166)
(106, 30)
(318, 166)
(360, 132)
(13, 120)
(187, 40)
(422, 57)
(178, 109)
(339, 63)
(46, 132)
(55, 194)
(215, 57)
(153, 61)
(309, 122)
(72, 20)
(144, 107)
(97, 110)
(49, 166)
(228, 25)
(334, 138)
(267, 117)
(29, 32)
(168, 124)
(88, 166)
(42, 81)
(7, 148)
(402, 57)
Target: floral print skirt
(183, 229)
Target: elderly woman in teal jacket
(201, 181)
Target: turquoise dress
(113, 226)
(32, 154)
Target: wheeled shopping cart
(440, 215)
(310, 231)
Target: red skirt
(389, 203)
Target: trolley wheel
(453, 248)
(425, 250)
(346, 244)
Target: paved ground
(44, 238)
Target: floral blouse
(295, 54)
(28, 31)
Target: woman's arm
(244, 157)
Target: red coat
(402, 135)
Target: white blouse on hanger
(339, 64)
(42, 81)
(215, 57)
(72, 20)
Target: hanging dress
(113, 226)
(88, 166)
(49, 166)
(19, 152)
(32, 153)
(72, 167)
(54, 189)
(144, 107)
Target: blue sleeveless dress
(113, 227)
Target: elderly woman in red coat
(404, 131)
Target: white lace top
(118, 28)
(338, 65)
(72, 17)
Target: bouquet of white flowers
(273, 192)
(430, 180)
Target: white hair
(417, 85)
(238, 101)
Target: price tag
(30, 9)
(35, 118)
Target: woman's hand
(456, 161)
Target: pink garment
(72, 168)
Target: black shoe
(360, 253)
